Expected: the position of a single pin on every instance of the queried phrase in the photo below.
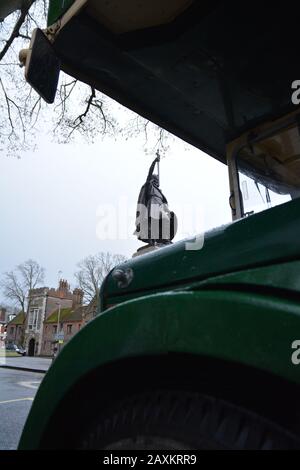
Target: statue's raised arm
(151, 169)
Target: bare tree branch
(24, 36)
(17, 284)
(16, 30)
(64, 94)
(8, 108)
(93, 269)
(20, 108)
(79, 120)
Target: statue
(155, 223)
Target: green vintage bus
(197, 348)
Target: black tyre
(182, 420)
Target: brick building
(43, 302)
(67, 321)
(50, 311)
(15, 330)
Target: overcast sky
(51, 200)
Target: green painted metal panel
(57, 8)
(282, 276)
(252, 330)
(271, 237)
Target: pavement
(29, 364)
(17, 391)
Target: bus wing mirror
(42, 66)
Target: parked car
(16, 348)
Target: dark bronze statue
(155, 223)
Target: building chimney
(77, 297)
(63, 288)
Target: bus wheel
(182, 420)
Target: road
(17, 390)
(33, 363)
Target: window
(54, 329)
(257, 197)
(269, 168)
(69, 329)
(30, 319)
(33, 318)
(11, 331)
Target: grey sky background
(49, 198)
